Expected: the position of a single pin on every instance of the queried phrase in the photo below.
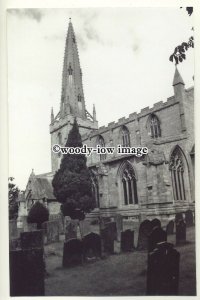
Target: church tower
(72, 102)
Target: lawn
(119, 274)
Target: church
(159, 184)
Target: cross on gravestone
(163, 271)
(32, 239)
(180, 232)
(170, 227)
(91, 245)
(178, 217)
(72, 253)
(127, 240)
(144, 232)
(27, 270)
(157, 235)
(189, 220)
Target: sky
(124, 56)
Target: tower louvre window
(154, 127)
(125, 137)
(95, 190)
(70, 70)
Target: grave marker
(92, 245)
(180, 232)
(157, 235)
(127, 240)
(72, 253)
(144, 232)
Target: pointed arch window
(177, 169)
(101, 143)
(129, 185)
(95, 190)
(125, 137)
(154, 127)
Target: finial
(70, 20)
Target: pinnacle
(177, 78)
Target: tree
(179, 52)
(72, 183)
(13, 193)
(38, 214)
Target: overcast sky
(124, 56)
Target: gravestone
(27, 272)
(108, 236)
(157, 235)
(155, 223)
(51, 231)
(72, 253)
(71, 227)
(170, 227)
(178, 217)
(189, 220)
(163, 271)
(15, 244)
(32, 239)
(91, 245)
(144, 232)
(127, 240)
(180, 232)
(13, 232)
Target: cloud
(34, 14)
(136, 48)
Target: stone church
(155, 185)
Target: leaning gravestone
(144, 232)
(27, 272)
(32, 239)
(163, 271)
(189, 220)
(127, 240)
(91, 246)
(180, 232)
(72, 253)
(178, 217)
(157, 235)
(170, 227)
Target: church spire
(72, 98)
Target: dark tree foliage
(179, 52)
(38, 214)
(13, 193)
(72, 183)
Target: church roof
(177, 78)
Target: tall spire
(72, 98)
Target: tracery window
(177, 167)
(154, 127)
(125, 137)
(95, 190)
(129, 185)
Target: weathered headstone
(27, 272)
(13, 232)
(178, 217)
(157, 235)
(189, 220)
(144, 232)
(163, 271)
(71, 227)
(15, 244)
(32, 239)
(155, 223)
(92, 245)
(180, 232)
(170, 227)
(127, 240)
(72, 253)
(51, 231)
